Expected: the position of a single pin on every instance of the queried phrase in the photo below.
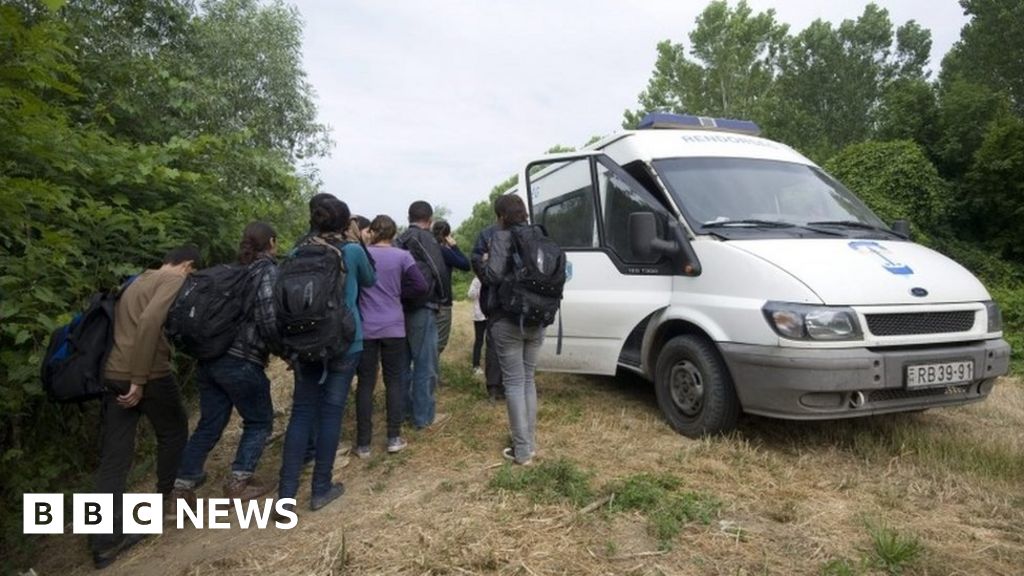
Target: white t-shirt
(474, 295)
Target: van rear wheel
(694, 389)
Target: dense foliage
(128, 128)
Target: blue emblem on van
(918, 291)
(869, 247)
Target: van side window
(621, 198)
(643, 175)
(562, 200)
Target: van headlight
(806, 322)
(995, 316)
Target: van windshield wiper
(755, 223)
(856, 224)
(747, 222)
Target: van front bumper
(810, 384)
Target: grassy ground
(615, 491)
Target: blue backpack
(72, 369)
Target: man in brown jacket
(139, 382)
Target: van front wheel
(694, 389)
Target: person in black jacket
(420, 379)
(492, 370)
(238, 380)
(453, 258)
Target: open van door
(622, 249)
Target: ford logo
(919, 292)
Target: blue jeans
(316, 409)
(420, 379)
(517, 349)
(225, 383)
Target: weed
(890, 550)
(840, 567)
(553, 481)
(667, 509)
(644, 492)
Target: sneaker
(478, 372)
(105, 558)
(396, 445)
(245, 488)
(363, 452)
(509, 454)
(335, 492)
(171, 502)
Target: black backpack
(209, 310)
(72, 369)
(533, 292)
(314, 323)
(408, 242)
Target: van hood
(869, 272)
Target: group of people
(398, 290)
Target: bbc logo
(144, 514)
(93, 514)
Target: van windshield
(745, 196)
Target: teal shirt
(360, 275)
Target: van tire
(694, 388)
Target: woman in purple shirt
(384, 333)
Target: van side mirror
(643, 231)
(901, 227)
(643, 239)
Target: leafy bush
(896, 180)
(93, 189)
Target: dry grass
(789, 498)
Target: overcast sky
(443, 99)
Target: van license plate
(940, 374)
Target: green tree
(908, 110)
(835, 78)
(965, 110)
(995, 187)
(990, 48)
(736, 57)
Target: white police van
(738, 276)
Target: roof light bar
(656, 120)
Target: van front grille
(913, 323)
(888, 394)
